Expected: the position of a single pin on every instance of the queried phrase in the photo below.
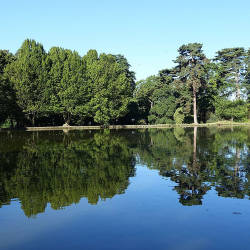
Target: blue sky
(147, 32)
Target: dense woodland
(59, 87)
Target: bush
(213, 118)
(164, 120)
(142, 122)
(179, 116)
(231, 110)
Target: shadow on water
(61, 168)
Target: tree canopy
(60, 86)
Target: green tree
(156, 99)
(111, 86)
(144, 93)
(26, 74)
(179, 116)
(247, 78)
(190, 73)
(66, 85)
(5, 58)
(228, 109)
(8, 106)
(232, 61)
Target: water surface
(128, 189)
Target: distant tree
(125, 66)
(247, 78)
(5, 58)
(156, 99)
(144, 95)
(232, 61)
(164, 106)
(227, 109)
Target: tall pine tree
(190, 73)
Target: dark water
(131, 189)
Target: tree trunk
(151, 104)
(11, 123)
(33, 120)
(194, 106)
(237, 86)
(67, 118)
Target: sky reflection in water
(163, 189)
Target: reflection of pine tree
(190, 179)
(198, 166)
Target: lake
(125, 189)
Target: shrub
(179, 116)
(142, 122)
(213, 118)
(234, 110)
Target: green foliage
(112, 86)
(67, 93)
(141, 122)
(179, 116)
(144, 95)
(60, 86)
(247, 77)
(8, 107)
(235, 110)
(156, 99)
(26, 74)
(213, 118)
(232, 62)
(5, 58)
(190, 74)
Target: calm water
(132, 189)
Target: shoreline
(114, 127)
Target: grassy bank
(219, 124)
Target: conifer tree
(191, 72)
(233, 64)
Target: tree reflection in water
(199, 159)
(61, 168)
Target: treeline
(198, 89)
(60, 87)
